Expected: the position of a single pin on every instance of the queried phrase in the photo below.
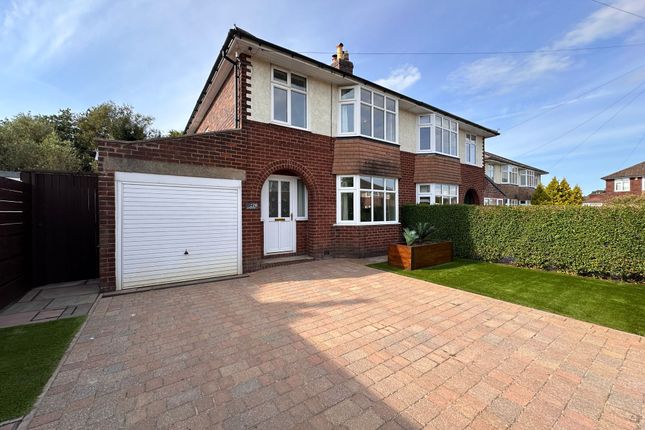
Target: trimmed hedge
(593, 241)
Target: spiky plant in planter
(418, 250)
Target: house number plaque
(252, 206)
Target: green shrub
(594, 241)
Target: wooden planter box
(418, 256)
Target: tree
(175, 133)
(109, 121)
(562, 194)
(575, 198)
(67, 140)
(540, 196)
(31, 142)
(551, 191)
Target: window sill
(438, 153)
(365, 224)
(284, 124)
(362, 136)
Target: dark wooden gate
(14, 240)
(64, 218)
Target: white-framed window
(438, 194)
(510, 174)
(490, 171)
(289, 98)
(621, 185)
(365, 200)
(471, 149)
(489, 201)
(438, 134)
(511, 202)
(367, 113)
(525, 203)
(527, 178)
(302, 201)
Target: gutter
(237, 32)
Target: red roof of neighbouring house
(635, 171)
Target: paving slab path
(51, 302)
(335, 344)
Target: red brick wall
(260, 150)
(436, 169)
(364, 241)
(472, 177)
(491, 191)
(221, 114)
(407, 187)
(635, 188)
(366, 157)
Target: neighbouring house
(284, 157)
(509, 182)
(628, 181)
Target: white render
(175, 229)
(323, 109)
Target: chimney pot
(340, 60)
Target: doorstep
(284, 261)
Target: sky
(575, 112)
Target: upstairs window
(471, 149)
(289, 98)
(621, 184)
(376, 114)
(438, 134)
(490, 171)
(528, 178)
(510, 175)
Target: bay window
(375, 113)
(510, 174)
(490, 171)
(471, 149)
(438, 134)
(438, 194)
(621, 184)
(527, 178)
(366, 200)
(289, 98)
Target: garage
(172, 229)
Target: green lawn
(612, 304)
(28, 356)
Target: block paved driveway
(334, 344)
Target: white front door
(278, 207)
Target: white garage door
(176, 228)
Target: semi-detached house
(283, 156)
(509, 182)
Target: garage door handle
(186, 252)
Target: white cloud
(401, 78)
(503, 73)
(604, 23)
(34, 32)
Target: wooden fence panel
(64, 240)
(14, 239)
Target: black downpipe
(237, 79)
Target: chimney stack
(340, 60)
